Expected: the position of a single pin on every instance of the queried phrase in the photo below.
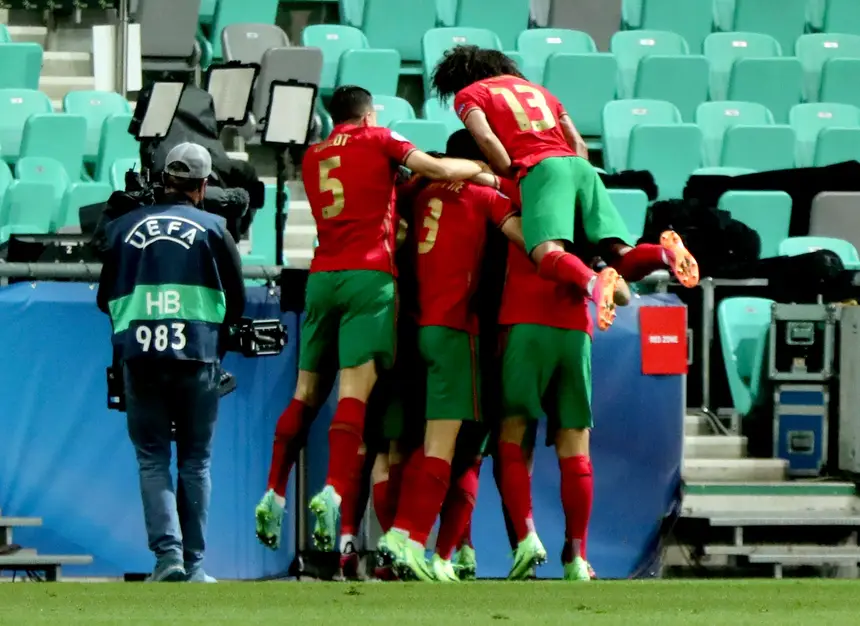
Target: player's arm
(574, 139)
(441, 169)
(477, 124)
(512, 228)
(502, 212)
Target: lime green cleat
(443, 571)
(579, 570)
(530, 553)
(269, 514)
(325, 507)
(466, 563)
(390, 548)
(412, 564)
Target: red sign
(663, 333)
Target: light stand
(231, 86)
(154, 112)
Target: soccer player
(351, 299)
(525, 133)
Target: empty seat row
(20, 65)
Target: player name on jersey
(179, 230)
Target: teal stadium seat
(775, 83)
(766, 212)
(78, 195)
(723, 49)
(6, 178)
(239, 12)
(391, 109)
(376, 70)
(333, 40)
(631, 14)
(566, 73)
(351, 12)
(760, 148)
(437, 111)
(723, 171)
(118, 169)
(841, 16)
(629, 47)
(437, 41)
(5, 37)
(714, 118)
(692, 19)
(681, 80)
(388, 25)
(20, 65)
(46, 171)
(671, 153)
(207, 11)
(837, 145)
(840, 82)
(784, 20)
(808, 120)
(16, 105)
(96, 107)
(446, 12)
(28, 208)
(815, 15)
(427, 136)
(621, 117)
(60, 136)
(506, 18)
(816, 50)
(845, 250)
(539, 44)
(516, 57)
(116, 143)
(632, 205)
(744, 324)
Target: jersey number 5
(534, 100)
(329, 183)
(431, 223)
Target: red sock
(422, 496)
(352, 504)
(381, 506)
(640, 261)
(516, 488)
(395, 482)
(457, 512)
(345, 459)
(466, 539)
(566, 268)
(291, 434)
(577, 493)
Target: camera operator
(172, 284)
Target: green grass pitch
(661, 603)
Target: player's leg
(367, 336)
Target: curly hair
(463, 65)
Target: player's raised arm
(441, 169)
(489, 143)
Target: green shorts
(547, 371)
(354, 310)
(553, 190)
(451, 358)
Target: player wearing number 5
(171, 283)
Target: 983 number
(161, 337)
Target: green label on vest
(175, 302)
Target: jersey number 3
(431, 223)
(534, 100)
(332, 184)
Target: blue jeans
(184, 393)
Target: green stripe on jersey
(176, 302)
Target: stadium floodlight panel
(290, 113)
(160, 110)
(231, 87)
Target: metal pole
(121, 49)
(89, 272)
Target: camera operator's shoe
(197, 575)
(226, 384)
(167, 572)
(269, 515)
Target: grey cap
(189, 160)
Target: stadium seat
(715, 117)
(632, 204)
(5, 37)
(57, 135)
(118, 169)
(744, 325)
(437, 111)
(376, 70)
(6, 178)
(766, 212)
(96, 107)
(815, 50)
(506, 18)
(446, 12)
(723, 171)
(46, 171)
(837, 145)
(619, 119)
(437, 41)
(784, 21)
(77, 196)
(845, 250)
(517, 58)
(333, 40)
(692, 19)
(808, 120)
(351, 12)
(248, 42)
(840, 82)
(28, 208)
(835, 214)
(116, 143)
(722, 49)
(564, 76)
(392, 109)
(775, 83)
(841, 16)
(427, 136)
(539, 44)
(16, 105)
(761, 148)
(388, 25)
(20, 65)
(631, 14)
(207, 11)
(230, 12)
(681, 80)
(629, 47)
(670, 152)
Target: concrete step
(301, 237)
(706, 500)
(714, 447)
(696, 425)
(734, 470)
(298, 257)
(770, 518)
(67, 64)
(299, 214)
(786, 550)
(34, 34)
(56, 87)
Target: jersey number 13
(534, 100)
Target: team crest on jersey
(460, 109)
(178, 230)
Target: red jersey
(451, 227)
(349, 180)
(524, 116)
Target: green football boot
(269, 515)
(578, 570)
(443, 571)
(466, 562)
(390, 548)
(325, 507)
(530, 553)
(412, 563)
